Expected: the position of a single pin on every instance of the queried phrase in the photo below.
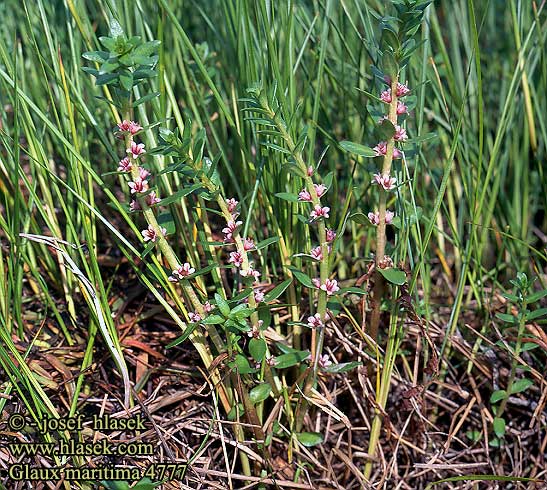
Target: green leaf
(108, 42)
(177, 196)
(537, 296)
(267, 242)
(342, 367)
(240, 312)
(236, 411)
(394, 276)
(146, 98)
(275, 147)
(166, 221)
(499, 426)
(99, 56)
(115, 28)
(357, 149)
(179, 340)
(536, 314)
(126, 81)
(277, 291)
(360, 218)
(385, 130)
(260, 392)
(143, 73)
(309, 439)
(242, 365)
(257, 349)
(146, 484)
(115, 485)
(287, 196)
(506, 318)
(147, 48)
(106, 78)
(521, 385)
(213, 320)
(497, 396)
(302, 278)
(291, 359)
(389, 64)
(222, 304)
(352, 290)
(108, 66)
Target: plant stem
(514, 361)
(379, 284)
(378, 293)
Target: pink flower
(248, 244)
(271, 361)
(229, 230)
(236, 258)
(124, 165)
(138, 185)
(319, 212)
(402, 90)
(129, 126)
(231, 226)
(259, 296)
(381, 148)
(151, 234)
(319, 189)
(250, 272)
(316, 253)
(375, 217)
(232, 204)
(304, 195)
(401, 108)
(315, 321)
(134, 127)
(324, 361)
(387, 182)
(134, 205)
(184, 270)
(310, 171)
(143, 173)
(136, 149)
(330, 286)
(152, 199)
(400, 134)
(194, 316)
(124, 125)
(331, 235)
(385, 96)
(208, 307)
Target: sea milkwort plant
(231, 329)
(396, 44)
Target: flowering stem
(173, 262)
(379, 285)
(317, 334)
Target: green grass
(476, 184)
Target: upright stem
(378, 293)
(324, 267)
(379, 284)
